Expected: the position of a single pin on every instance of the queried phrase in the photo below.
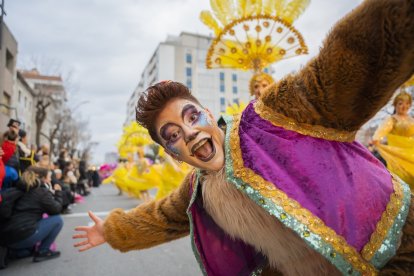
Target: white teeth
(200, 145)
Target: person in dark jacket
(26, 227)
(68, 196)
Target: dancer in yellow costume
(132, 176)
(170, 173)
(252, 35)
(140, 178)
(136, 177)
(399, 131)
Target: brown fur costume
(367, 56)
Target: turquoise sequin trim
(389, 247)
(314, 241)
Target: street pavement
(174, 258)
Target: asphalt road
(174, 258)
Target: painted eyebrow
(164, 128)
(185, 109)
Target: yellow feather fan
(252, 34)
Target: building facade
(24, 102)
(182, 58)
(50, 91)
(8, 57)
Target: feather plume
(259, 7)
(269, 7)
(279, 7)
(218, 11)
(207, 18)
(228, 9)
(294, 9)
(250, 7)
(241, 8)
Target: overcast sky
(106, 44)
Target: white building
(24, 102)
(182, 59)
(50, 90)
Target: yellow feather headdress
(133, 139)
(252, 34)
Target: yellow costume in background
(137, 176)
(171, 175)
(399, 152)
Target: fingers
(94, 217)
(80, 236)
(82, 228)
(88, 246)
(81, 243)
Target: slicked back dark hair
(153, 101)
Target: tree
(41, 105)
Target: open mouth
(204, 150)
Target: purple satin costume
(341, 183)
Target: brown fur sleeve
(366, 57)
(150, 224)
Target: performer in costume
(170, 175)
(258, 83)
(399, 131)
(253, 35)
(286, 188)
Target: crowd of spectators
(34, 191)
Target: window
(222, 88)
(25, 102)
(20, 96)
(221, 76)
(188, 58)
(9, 60)
(189, 84)
(234, 89)
(236, 101)
(6, 102)
(188, 71)
(234, 77)
(222, 104)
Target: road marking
(80, 215)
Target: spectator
(69, 177)
(2, 170)
(83, 185)
(63, 159)
(14, 125)
(26, 227)
(9, 158)
(27, 155)
(68, 196)
(44, 158)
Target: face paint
(203, 119)
(173, 149)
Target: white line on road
(79, 215)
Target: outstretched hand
(92, 235)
